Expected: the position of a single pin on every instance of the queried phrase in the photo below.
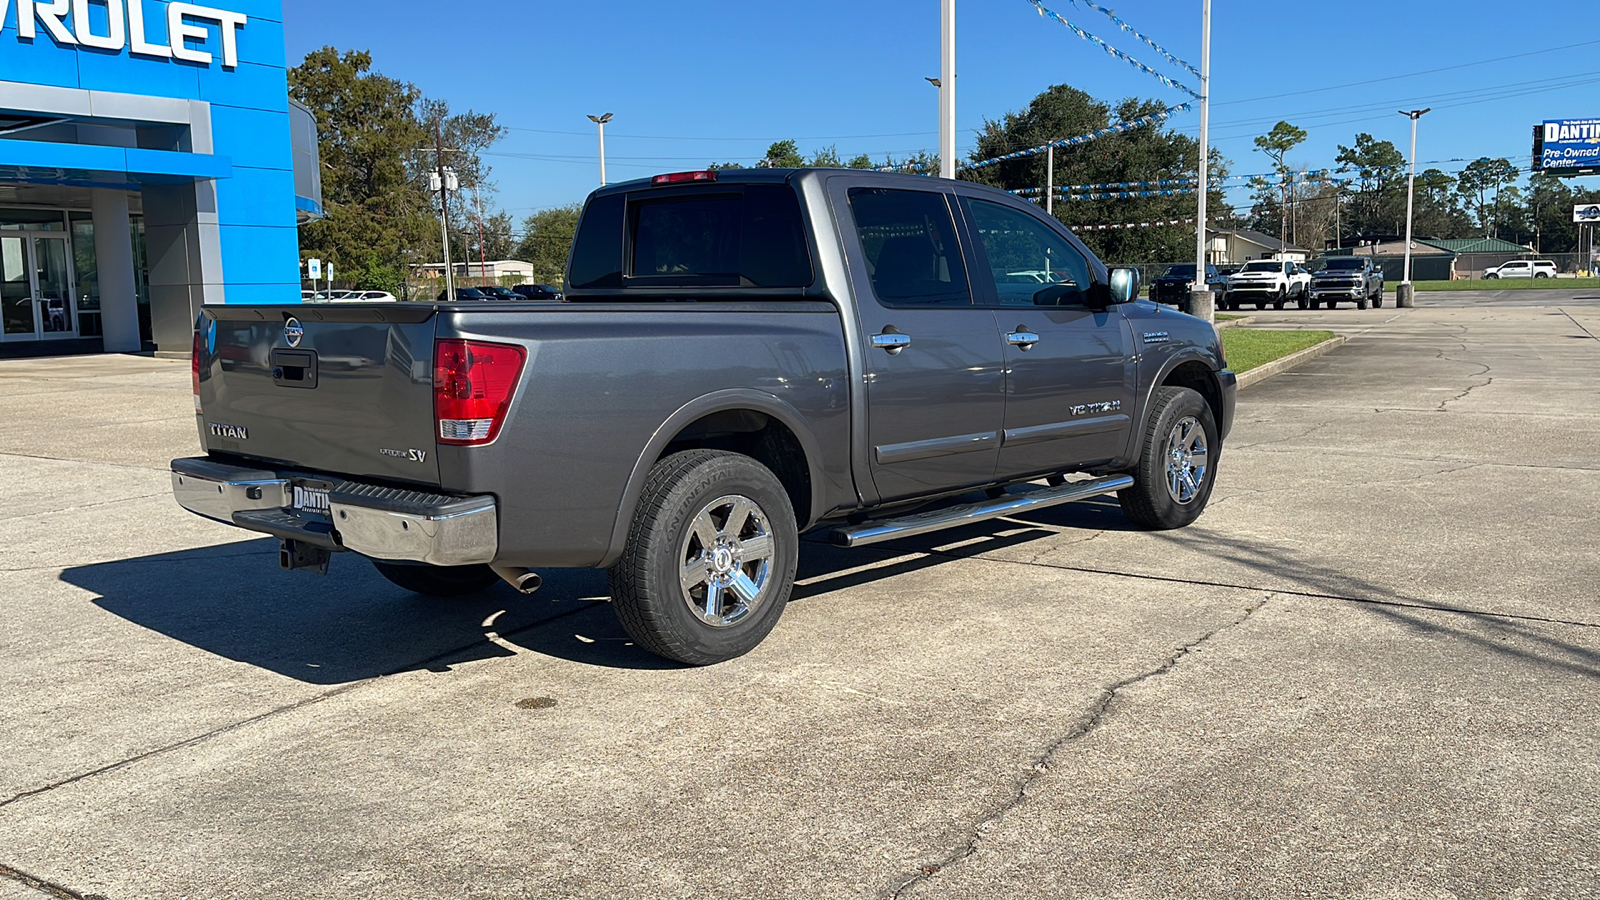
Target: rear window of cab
(726, 235)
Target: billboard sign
(1562, 145)
(1586, 212)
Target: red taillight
(681, 177)
(473, 382)
(194, 372)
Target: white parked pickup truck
(1522, 268)
(1263, 281)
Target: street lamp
(601, 121)
(1404, 294)
(1201, 301)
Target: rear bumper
(375, 521)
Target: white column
(113, 253)
(947, 89)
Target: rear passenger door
(1069, 372)
(933, 359)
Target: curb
(1285, 363)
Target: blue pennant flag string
(1130, 29)
(1085, 138)
(1049, 13)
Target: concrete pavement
(1368, 670)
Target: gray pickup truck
(740, 357)
(1352, 278)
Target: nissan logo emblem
(293, 332)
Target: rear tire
(710, 558)
(1304, 303)
(438, 581)
(1177, 464)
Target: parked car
(538, 291)
(1175, 284)
(496, 292)
(350, 297)
(1522, 268)
(1352, 278)
(465, 293)
(854, 368)
(1264, 281)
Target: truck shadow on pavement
(233, 601)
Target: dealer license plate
(310, 499)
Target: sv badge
(413, 454)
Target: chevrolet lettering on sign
(67, 22)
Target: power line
(1338, 87)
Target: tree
(376, 221)
(1276, 144)
(1481, 180)
(1379, 204)
(547, 241)
(1147, 153)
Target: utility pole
(1404, 294)
(601, 121)
(1050, 180)
(444, 209)
(947, 88)
(483, 264)
(1201, 301)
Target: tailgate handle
(294, 368)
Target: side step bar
(967, 513)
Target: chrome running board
(967, 513)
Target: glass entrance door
(52, 287)
(16, 288)
(36, 287)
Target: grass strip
(1247, 348)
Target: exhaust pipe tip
(526, 581)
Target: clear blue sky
(696, 82)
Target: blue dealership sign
(1569, 144)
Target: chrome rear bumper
(380, 522)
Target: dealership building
(150, 161)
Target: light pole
(601, 121)
(1201, 301)
(947, 88)
(1404, 297)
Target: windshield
(1179, 272)
(1337, 264)
(1263, 266)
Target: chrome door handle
(1023, 339)
(891, 341)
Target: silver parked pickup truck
(739, 357)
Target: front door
(1069, 371)
(20, 313)
(36, 287)
(935, 384)
(52, 287)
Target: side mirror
(1124, 285)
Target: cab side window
(1028, 262)
(909, 241)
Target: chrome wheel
(1186, 459)
(726, 560)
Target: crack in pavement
(1084, 726)
(45, 887)
(1581, 326)
(291, 707)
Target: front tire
(710, 558)
(1177, 465)
(437, 581)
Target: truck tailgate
(346, 390)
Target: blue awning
(91, 165)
